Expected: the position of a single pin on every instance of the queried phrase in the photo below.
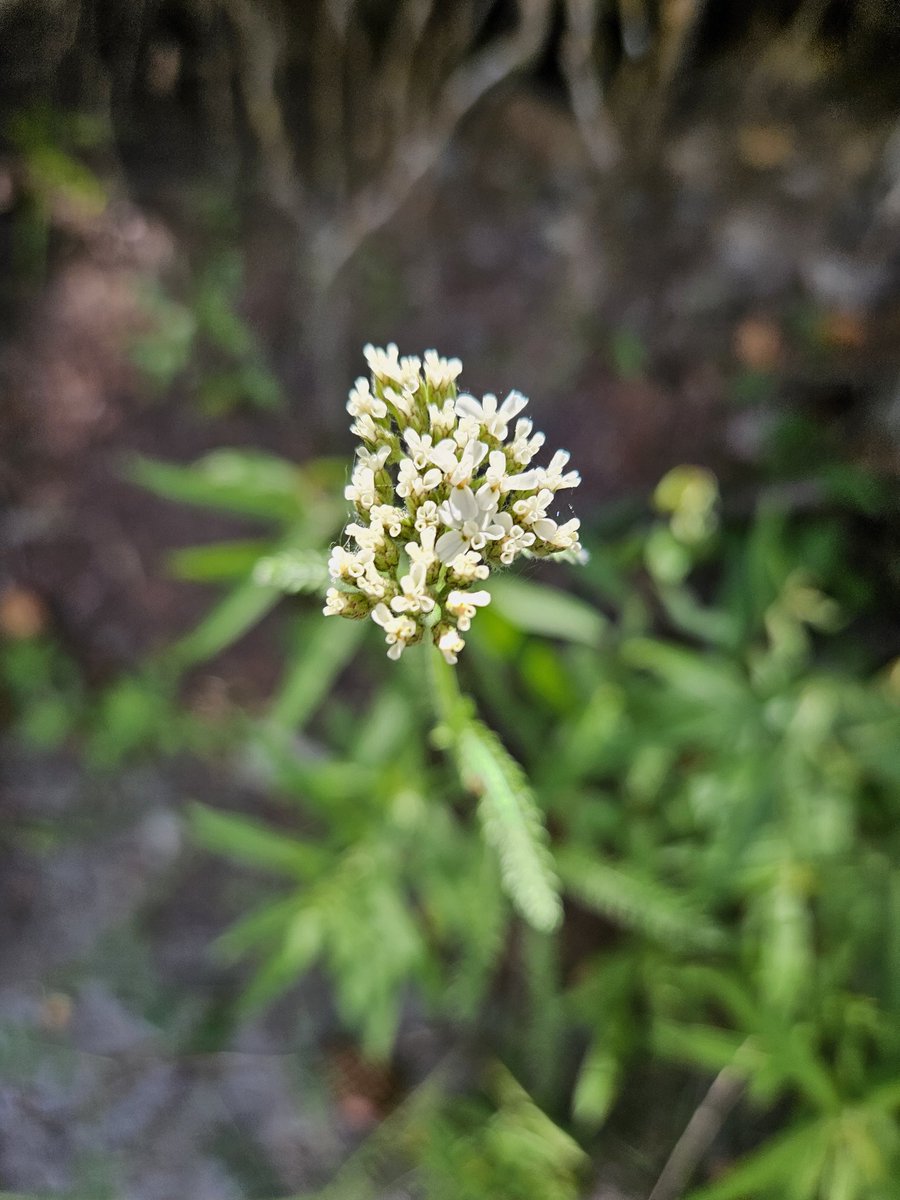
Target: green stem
(451, 707)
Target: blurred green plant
(55, 186)
(204, 341)
(719, 775)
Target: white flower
(403, 401)
(361, 489)
(495, 475)
(398, 630)
(427, 516)
(467, 430)
(552, 476)
(492, 419)
(362, 402)
(442, 421)
(439, 372)
(367, 537)
(423, 451)
(533, 508)
(335, 602)
(524, 481)
(470, 460)
(384, 364)
(450, 644)
(373, 459)
(471, 522)
(391, 518)
(438, 474)
(467, 567)
(347, 564)
(422, 551)
(515, 539)
(415, 597)
(366, 429)
(372, 582)
(564, 537)
(523, 447)
(463, 606)
(411, 484)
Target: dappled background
(675, 226)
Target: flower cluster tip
(444, 492)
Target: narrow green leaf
(773, 1168)
(537, 608)
(597, 1085)
(221, 562)
(636, 901)
(293, 571)
(512, 824)
(228, 620)
(323, 655)
(247, 482)
(255, 844)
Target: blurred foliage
(203, 341)
(718, 891)
(56, 186)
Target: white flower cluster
(443, 492)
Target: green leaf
(598, 1084)
(256, 845)
(636, 901)
(512, 824)
(702, 1046)
(228, 621)
(711, 679)
(322, 656)
(247, 482)
(222, 562)
(536, 608)
(293, 571)
(775, 1169)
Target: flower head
(443, 495)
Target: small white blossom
(524, 447)
(564, 537)
(442, 420)
(467, 430)
(415, 597)
(348, 564)
(366, 429)
(372, 582)
(411, 484)
(428, 516)
(450, 645)
(533, 508)
(422, 552)
(398, 630)
(493, 420)
(362, 402)
(552, 476)
(463, 606)
(391, 518)
(362, 489)
(515, 539)
(440, 372)
(471, 522)
(467, 567)
(403, 401)
(367, 537)
(335, 602)
(373, 459)
(461, 472)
